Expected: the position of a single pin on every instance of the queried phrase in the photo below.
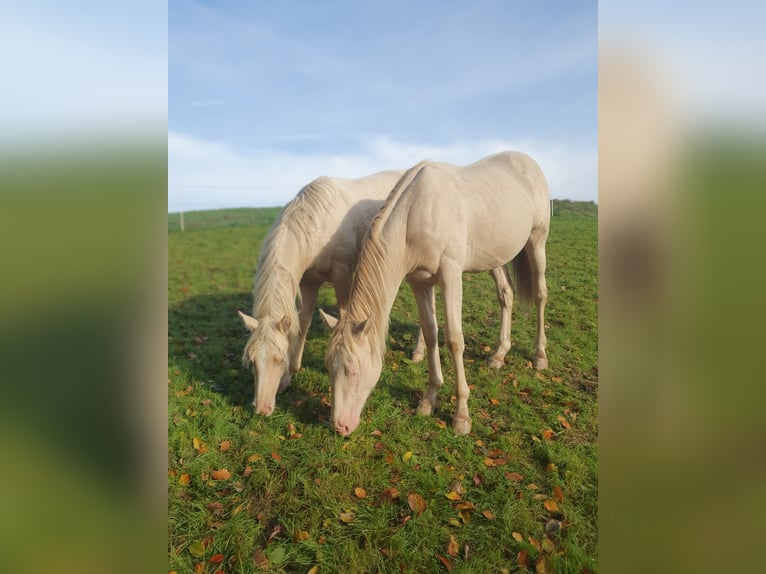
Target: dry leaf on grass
(452, 548)
(416, 502)
(447, 564)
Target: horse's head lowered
(266, 352)
(354, 366)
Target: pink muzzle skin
(345, 425)
(263, 409)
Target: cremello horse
(317, 238)
(439, 221)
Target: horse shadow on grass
(206, 339)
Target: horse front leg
(308, 300)
(452, 292)
(424, 296)
(341, 282)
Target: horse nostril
(265, 410)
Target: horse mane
(365, 300)
(299, 220)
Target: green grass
(304, 484)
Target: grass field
(403, 493)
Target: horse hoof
(541, 363)
(495, 363)
(425, 408)
(461, 426)
(417, 356)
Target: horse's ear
(361, 327)
(250, 322)
(328, 320)
(284, 324)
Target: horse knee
(456, 345)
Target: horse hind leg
(420, 349)
(535, 250)
(505, 299)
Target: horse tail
(522, 275)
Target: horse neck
(376, 284)
(280, 269)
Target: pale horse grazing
(438, 222)
(316, 239)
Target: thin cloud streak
(208, 174)
(206, 103)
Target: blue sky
(265, 96)
(73, 68)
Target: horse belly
(491, 246)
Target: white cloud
(205, 174)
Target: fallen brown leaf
(260, 560)
(216, 559)
(558, 494)
(515, 476)
(416, 502)
(389, 494)
(517, 536)
(360, 492)
(523, 559)
(221, 474)
(551, 506)
(447, 564)
(184, 479)
(453, 548)
(488, 514)
(452, 495)
(225, 445)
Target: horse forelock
(266, 332)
